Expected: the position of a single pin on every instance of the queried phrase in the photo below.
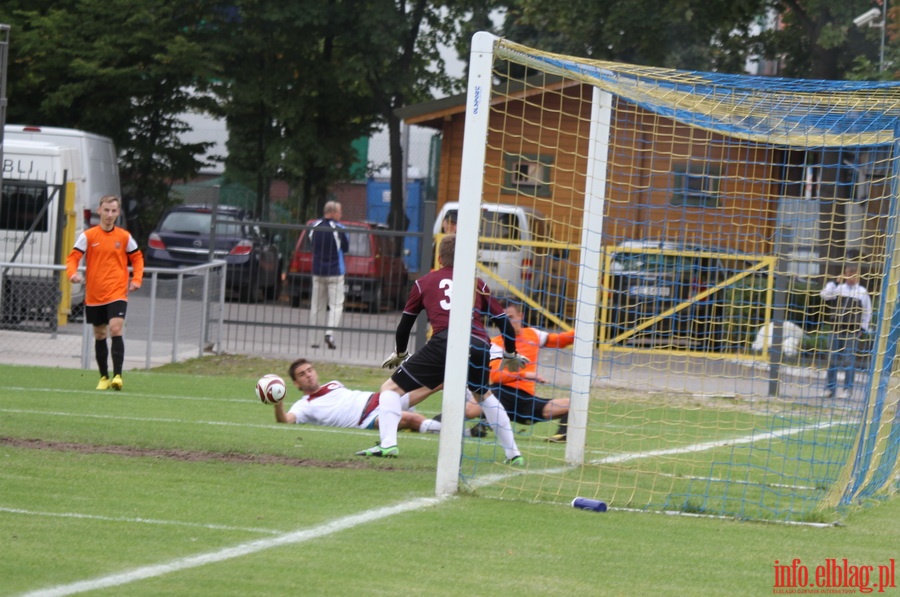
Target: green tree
(688, 34)
(303, 81)
(404, 66)
(808, 38)
(817, 40)
(294, 96)
(120, 68)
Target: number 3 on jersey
(446, 285)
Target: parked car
(376, 273)
(650, 277)
(182, 239)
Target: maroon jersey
(432, 293)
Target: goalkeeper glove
(394, 361)
(513, 361)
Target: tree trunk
(397, 219)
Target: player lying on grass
(334, 405)
(516, 390)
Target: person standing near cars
(850, 311)
(107, 251)
(329, 244)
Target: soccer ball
(270, 389)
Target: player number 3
(447, 285)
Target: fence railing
(177, 314)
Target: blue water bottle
(589, 504)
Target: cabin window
(695, 185)
(527, 174)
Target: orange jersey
(107, 255)
(529, 342)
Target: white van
(99, 170)
(36, 229)
(30, 229)
(519, 263)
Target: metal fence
(176, 315)
(189, 312)
(279, 325)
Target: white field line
(619, 458)
(275, 426)
(229, 553)
(215, 527)
(749, 439)
(737, 482)
(280, 426)
(817, 525)
(349, 522)
(126, 394)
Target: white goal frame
(478, 103)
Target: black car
(182, 239)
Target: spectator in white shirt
(850, 313)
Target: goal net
(700, 233)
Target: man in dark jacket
(329, 244)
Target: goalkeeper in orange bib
(107, 251)
(516, 390)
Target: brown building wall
(352, 196)
(643, 151)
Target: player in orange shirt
(517, 390)
(107, 251)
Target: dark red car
(376, 273)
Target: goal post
(589, 271)
(693, 229)
(477, 112)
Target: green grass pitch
(183, 484)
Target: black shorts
(523, 407)
(101, 314)
(425, 368)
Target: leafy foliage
(293, 95)
(692, 34)
(129, 82)
(818, 40)
(297, 83)
(807, 38)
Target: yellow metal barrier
(763, 263)
(68, 241)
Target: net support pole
(470, 190)
(873, 462)
(586, 310)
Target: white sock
(499, 421)
(430, 426)
(388, 418)
(404, 403)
